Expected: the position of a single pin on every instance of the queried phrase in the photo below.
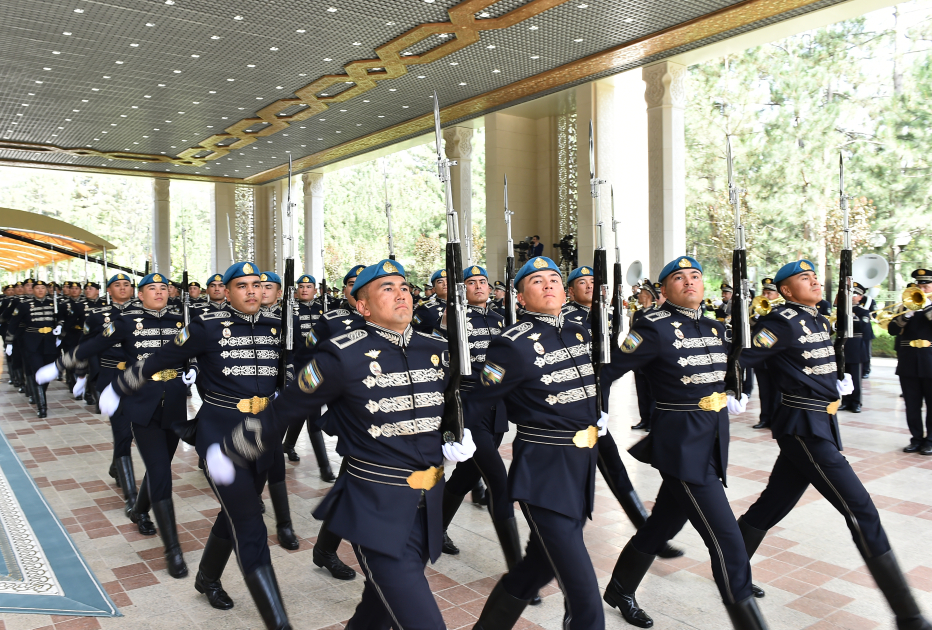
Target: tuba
(913, 299)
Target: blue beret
(307, 278)
(534, 265)
(683, 262)
(119, 276)
(270, 276)
(153, 278)
(792, 269)
(238, 270)
(380, 269)
(214, 278)
(352, 273)
(475, 270)
(578, 273)
(438, 275)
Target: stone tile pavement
(812, 573)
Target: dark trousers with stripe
(557, 549)
(803, 461)
(706, 507)
(645, 397)
(396, 593)
(917, 390)
(240, 518)
(157, 448)
(485, 463)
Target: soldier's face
(477, 290)
(803, 288)
(92, 293)
(925, 288)
(770, 294)
(270, 293)
(215, 290)
(172, 291)
(645, 298)
(346, 292)
(194, 292)
(499, 294)
(41, 291)
(440, 288)
(18, 290)
(542, 292)
(307, 291)
(386, 302)
(27, 289)
(245, 294)
(856, 298)
(120, 290)
(684, 288)
(154, 296)
(581, 291)
(726, 295)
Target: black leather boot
(637, 513)
(264, 590)
(630, 569)
(90, 397)
(291, 453)
(451, 503)
(165, 516)
(480, 495)
(507, 531)
(320, 451)
(127, 482)
(892, 584)
(42, 406)
(113, 472)
(140, 512)
(325, 554)
(745, 615)
(216, 554)
(641, 425)
(501, 610)
(286, 536)
(752, 540)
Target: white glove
(909, 314)
(219, 466)
(57, 342)
(9, 350)
(57, 330)
(109, 401)
(846, 386)
(46, 373)
(603, 424)
(736, 405)
(190, 377)
(717, 303)
(460, 451)
(79, 385)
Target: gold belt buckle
(425, 479)
(252, 405)
(587, 438)
(714, 402)
(121, 365)
(832, 408)
(920, 343)
(165, 375)
(44, 331)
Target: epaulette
(345, 341)
(214, 315)
(134, 312)
(274, 318)
(656, 316)
(518, 330)
(433, 336)
(337, 313)
(787, 312)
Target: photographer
(537, 248)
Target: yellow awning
(16, 255)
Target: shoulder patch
(310, 340)
(310, 378)
(764, 339)
(340, 312)
(109, 329)
(492, 374)
(182, 336)
(345, 341)
(657, 315)
(631, 342)
(517, 330)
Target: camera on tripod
(522, 248)
(568, 251)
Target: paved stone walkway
(810, 568)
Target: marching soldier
(721, 306)
(194, 292)
(684, 355)
(92, 304)
(795, 341)
(856, 349)
(309, 311)
(41, 326)
(768, 389)
(160, 404)
(215, 293)
(427, 316)
(540, 369)
(498, 297)
(384, 382)
(649, 297)
(913, 333)
(13, 352)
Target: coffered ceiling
(226, 89)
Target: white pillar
(222, 226)
(161, 226)
(313, 224)
(264, 217)
(665, 94)
(458, 146)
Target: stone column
(161, 226)
(222, 225)
(313, 224)
(665, 93)
(458, 146)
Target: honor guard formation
(420, 392)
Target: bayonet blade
(591, 153)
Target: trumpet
(913, 300)
(708, 303)
(762, 306)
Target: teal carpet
(41, 569)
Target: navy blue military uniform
(913, 338)
(427, 316)
(856, 349)
(30, 327)
(642, 385)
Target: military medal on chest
(375, 368)
(538, 348)
(226, 333)
(139, 325)
(805, 328)
(676, 330)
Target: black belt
(586, 438)
(712, 402)
(810, 404)
(915, 343)
(246, 405)
(112, 363)
(390, 476)
(42, 331)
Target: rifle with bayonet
(601, 299)
(287, 292)
(185, 284)
(741, 298)
(324, 298)
(511, 313)
(844, 324)
(106, 276)
(388, 216)
(618, 297)
(451, 424)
